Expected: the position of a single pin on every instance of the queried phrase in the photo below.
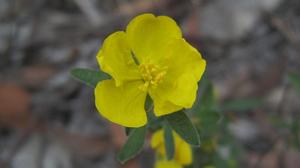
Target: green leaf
(208, 112)
(206, 99)
(209, 123)
(205, 109)
(154, 123)
(169, 141)
(133, 145)
(181, 124)
(295, 80)
(242, 104)
(88, 76)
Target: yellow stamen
(152, 75)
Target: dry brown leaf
(14, 106)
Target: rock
(41, 151)
(224, 151)
(60, 80)
(85, 119)
(57, 55)
(244, 130)
(28, 155)
(4, 8)
(57, 156)
(232, 19)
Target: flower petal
(183, 151)
(147, 35)
(167, 164)
(157, 142)
(161, 105)
(183, 154)
(182, 58)
(115, 58)
(123, 105)
(179, 86)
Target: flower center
(152, 75)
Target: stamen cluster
(152, 75)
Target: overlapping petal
(157, 142)
(115, 58)
(123, 105)
(179, 86)
(162, 106)
(167, 164)
(183, 151)
(182, 58)
(147, 36)
(184, 154)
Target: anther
(152, 75)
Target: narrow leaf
(88, 76)
(295, 80)
(180, 123)
(133, 145)
(169, 141)
(206, 100)
(242, 104)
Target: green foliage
(292, 125)
(88, 76)
(182, 125)
(169, 141)
(295, 80)
(295, 128)
(206, 111)
(211, 123)
(242, 104)
(133, 145)
(207, 100)
(154, 123)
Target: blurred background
(48, 119)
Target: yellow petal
(115, 58)
(179, 86)
(162, 106)
(183, 153)
(182, 58)
(157, 142)
(156, 139)
(122, 105)
(147, 36)
(167, 164)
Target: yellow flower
(150, 57)
(167, 164)
(183, 151)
